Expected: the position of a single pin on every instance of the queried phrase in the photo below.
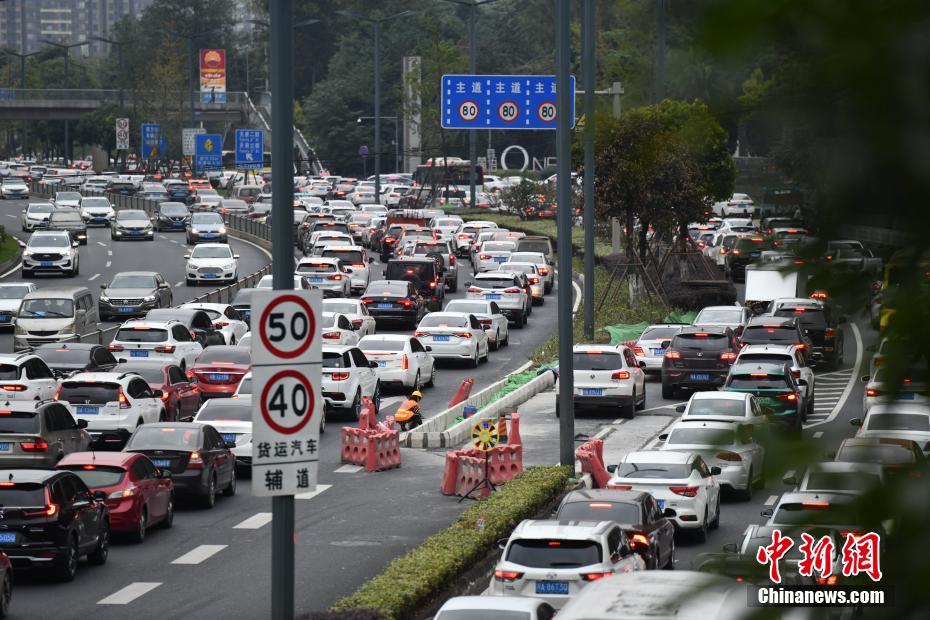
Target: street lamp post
(119, 55)
(66, 48)
(396, 143)
(22, 84)
(376, 24)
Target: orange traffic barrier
(374, 445)
(470, 475)
(513, 437)
(383, 451)
(368, 419)
(354, 445)
(505, 463)
(450, 473)
(462, 393)
(590, 454)
(465, 469)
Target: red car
(139, 495)
(180, 395)
(219, 369)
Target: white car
(402, 360)
(780, 354)
(354, 310)
(531, 271)
(372, 208)
(545, 268)
(232, 419)
(466, 233)
(355, 261)
(337, 329)
(878, 390)
(490, 317)
(348, 376)
(51, 251)
(24, 376)
(608, 377)
(446, 225)
(326, 274)
(554, 561)
(245, 387)
(246, 340)
(267, 282)
(492, 253)
(734, 449)
(11, 296)
(651, 345)
(738, 206)
(97, 211)
(454, 335)
(838, 477)
(897, 420)
(68, 199)
(169, 341)
(226, 320)
(36, 215)
(112, 403)
(504, 288)
(323, 233)
(212, 262)
(681, 481)
(520, 607)
(359, 224)
(14, 188)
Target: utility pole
(587, 66)
(658, 93)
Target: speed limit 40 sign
(287, 404)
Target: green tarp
(687, 317)
(623, 332)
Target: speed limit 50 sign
(287, 404)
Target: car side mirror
(164, 473)
(103, 286)
(373, 364)
(82, 423)
(502, 543)
(75, 244)
(856, 421)
(864, 378)
(429, 348)
(768, 512)
(715, 471)
(164, 285)
(486, 327)
(187, 257)
(157, 394)
(790, 478)
(236, 256)
(230, 444)
(731, 548)
(663, 437)
(680, 409)
(99, 496)
(612, 469)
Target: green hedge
(412, 579)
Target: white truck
(773, 280)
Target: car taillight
(723, 250)
(331, 335)
(484, 256)
(358, 266)
(463, 237)
(596, 576)
(368, 301)
(49, 510)
(13, 388)
(406, 303)
(829, 333)
(638, 539)
(432, 284)
(420, 334)
(830, 580)
(165, 348)
(507, 575)
(340, 376)
(544, 271)
(731, 457)
(335, 277)
(534, 280)
(123, 401)
(513, 290)
(638, 351)
(474, 289)
(57, 393)
(873, 392)
(728, 356)
(356, 322)
(672, 354)
(685, 491)
(451, 259)
(195, 459)
(620, 374)
(620, 487)
(484, 321)
(115, 347)
(165, 395)
(462, 334)
(36, 445)
(796, 374)
(221, 324)
(389, 240)
(790, 396)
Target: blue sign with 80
(501, 102)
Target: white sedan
(681, 481)
(454, 335)
(232, 419)
(489, 315)
(212, 262)
(402, 360)
(226, 320)
(337, 329)
(896, 420)
(492, 253)
(531, 271)
(355, 311)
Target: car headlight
(149, 298)
(27, 253)
(104, 299)
(195, 230)
(222, 230)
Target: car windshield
(381, 344)
(67, 196)
(702, 436)
(153, 374)
(498, 246)
(882, 454)
(718, 317)
(226, 409)
(409, 271)
(95, 203)
(444, 320)
(601, 510)
(133, 281)
(319, 267)
(204, 219)
(13, 291)
(758, 381)
(700, 341)
(474, 307)
(132, 216)
(22, 494)
(204, 251)
(49, 241)
(659, 333)
(42, 208)
(88, 392)
(169, 209)
(245, 386)
(532, 245)
(98, 476)
(841, 481)
(597, 360)
(19, 422)
(717, 406)
(770, 333)
(554, 553)
(141, 334)
(164, 438)
(384, 289)
(653, 470)
(61, 354)
(47, 308)
(898, 422)
(340, 307)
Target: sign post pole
(587, 66)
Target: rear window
(406, 271)
(28, 494)
(381, 289)
(381, 344)
(898, 422)
(498, 246)
(134, 334)
(812, 513)
(752, 244)
(554, 553)
(653, 470)
(459, 305)
(714, 406)
(348, 257)
(532, 245)
(807, 317)
(316, 268)
(619, 512)
(224, 409)
(884, 455)
(719, 317)
(19, 422)
(97, 476)
(164, 438)
(841, 481)
(434, 320)
(153, 375)
(597, 360)
(9, 372)
(53, 357)
(343, 307)
(494, 282)
(88, 393)
(333, 360)
(706, 436)
(770, 333)
(700, 341)
(231, 355)
(763, 358)
(660, 333)
(758, 381)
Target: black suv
(699, 358)
(51, 519)
(820, 324)
(424, 273)
(172, 216)
(745, 251)
(767, 329)
(69, 219)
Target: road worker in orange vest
(408, 414)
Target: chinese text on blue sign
(153, 143)
(501, 102)
(250, 146)
(208, 152)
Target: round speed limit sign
(468, 111)
(546, 111)
(287, 327)
(287, 401)
(508, 111)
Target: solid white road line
(254, 522)
(578, 298)
(129, 593)
(311, 494)
(93, 277)
(12, 271)
(199, 554)
(348, 469)
(852, 380)
(818, 435)
(771, 500)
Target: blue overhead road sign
(153, 142)
(208, 152)
(250, 149)
(501, 102)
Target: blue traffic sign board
(208, 152)
(250, 149)
(501, 102)
(154, 143)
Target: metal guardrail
(235, 223)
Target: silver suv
(51, 251)
(39, 433)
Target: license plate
(85, 410)
(7, 537)
(218, 377)
(381, 364)
(45, 263)
(700, 376)
(138, 354)
(500, 259)
(658, 351)
(492, 296)
(906, 396)
(135, 233)
(6, 446)
(228, 437)
(315, 280)
(207, 235)
(440, 339)
(755, 254)
(385, 305)
(592, 391)
(661, 503)
(178, 224)
(164, 463)
(551, 587)
(125, 309)
(210, 275)
(4, 318)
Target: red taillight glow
(36, 445)
(340, 376)
(596, 576)
(474, 289)
(873, 392)
(507, 575)
(463, 334)
(728, 356)
(513, 290)
(638, 539)
(684, 491)
(829, 333)
(331, 335)
(731, 457)
(166, 348)
(790, 396)
(672, 354)
(123, 402)
(620, 487)
(620, 375)
(13, 388)
(115, 347)
(404, 362)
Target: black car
(651, 533)
(206, 226)
(423, 272)
(745, 251)
(69, 219)
(776, 330)
(51, 519)
(394, 300)
(242, 302)
(132, 294)
(132, 224)
(196, 321)
(821, 325)
(390, 237)
(180, 193)
(69, 357)
(171, 216)
(699, 358)
(200, 462)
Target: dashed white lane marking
(199, 554)
(93, 277)
(668, 406)
(311, 494)
(174, 241)
(391, 400)
(818, 435)
(129, 593)
(771, 500)
(102, 244)
(254, 522)
(109, 262)
(109, 252)
(10, 215)
(348, 469)
(181, 283)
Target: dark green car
(776, 390)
